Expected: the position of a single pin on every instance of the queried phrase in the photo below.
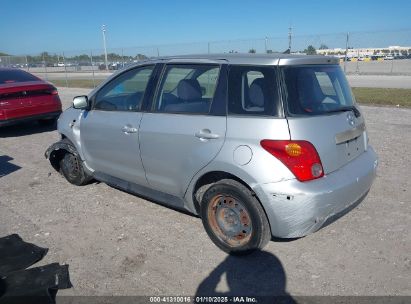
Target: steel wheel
(229, 220)
(71, 166)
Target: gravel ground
(120, 244)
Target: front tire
(234, 219)
(71, 167)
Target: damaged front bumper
(296, 209)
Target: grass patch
(380, 96)
(76, 83)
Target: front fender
(69, 127)
(60, 145)
(56, 152)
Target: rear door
(109, 132)
(322, 110)
(185, 129)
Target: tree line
(56, 58)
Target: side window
(126, 92)
(187, 89)
(252, 90)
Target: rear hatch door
(321, 109)
(336, 138)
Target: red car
(25, 97)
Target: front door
(109, 132)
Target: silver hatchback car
(259, 146)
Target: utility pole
(65, 69)
(265, 44)
(92, 68)
(103, 29)
(290, 33)
(346, 52)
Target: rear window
(315, 90)
(12, 76)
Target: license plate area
(354, 147)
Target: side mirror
(81, 102)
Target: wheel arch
(56, 152)
(206, 180)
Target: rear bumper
(12, 121)
(296, 209)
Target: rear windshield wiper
(344, 109)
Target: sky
(30, 27)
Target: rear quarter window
(253, 91)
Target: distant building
(368, 52)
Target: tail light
(53, 91)
(299, 156)
(4, 104)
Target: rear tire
(234, 219)
(71, 167)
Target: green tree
(323, 47)
(310, 50)
(252, 51)
(82, 57)
(141, 57)
(44, 54)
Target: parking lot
(120, 244)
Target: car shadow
(6, 167)
(260, 275)
(27, 128)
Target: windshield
(315, 90)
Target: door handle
(206, 134)
(128, 129)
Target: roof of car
(253, 59)
(8, 69)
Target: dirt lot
(119, 244)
